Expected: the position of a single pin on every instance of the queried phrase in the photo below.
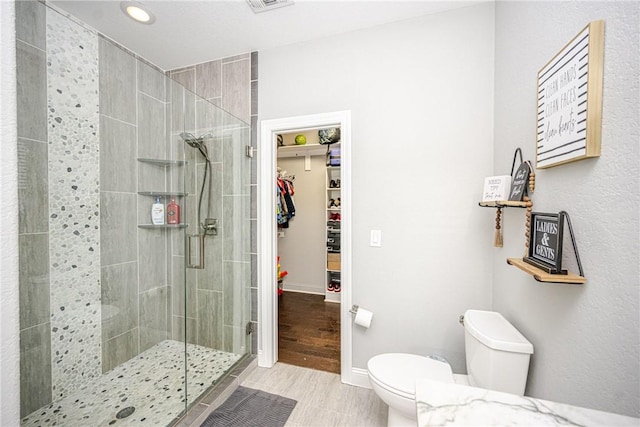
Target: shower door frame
(267, 234)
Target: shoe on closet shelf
(330, 287)
(336, 287)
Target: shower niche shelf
(150, 226)
(162, 193)
(162, 162)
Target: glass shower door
(216, 266)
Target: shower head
(192, 140)
(197, 142)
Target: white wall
(303, 247)
(421, 96)
(9, 330)
(586, 338)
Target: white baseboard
(360, 378)
(303, 288)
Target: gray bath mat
(247, 407)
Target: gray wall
(421, 96)
(586, 338)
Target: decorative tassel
(498, 237)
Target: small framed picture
(545, 242)
(496, 188)
(519, 182)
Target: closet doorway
(309, 324)
(308, 248)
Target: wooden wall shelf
(503, 204)
(543, 276)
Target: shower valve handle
(210, 226)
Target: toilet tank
(497, 353)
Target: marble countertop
(440, 404)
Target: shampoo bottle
(173, 212)
(157, 212)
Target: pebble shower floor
(152, 382)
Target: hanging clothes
(285, 207)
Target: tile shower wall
(253, 211)
(134, 269)
(83, 310)
(231, 83)
(119, 235)
(35, 325)
(153, 286)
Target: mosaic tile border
(73, 120)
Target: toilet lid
(400, 371)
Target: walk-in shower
(114, 328)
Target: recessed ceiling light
(138, 12)
(263, 5)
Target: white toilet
(497, 357)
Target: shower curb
(207, 404)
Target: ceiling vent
(264, 5)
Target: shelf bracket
(573, 242)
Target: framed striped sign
(569, 115)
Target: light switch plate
(376, 238)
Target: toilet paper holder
(361, 316)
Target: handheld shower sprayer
(197, 142)
(209, 225)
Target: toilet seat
(398, 372)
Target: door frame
(267, 233)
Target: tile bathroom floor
(152, 382)
(322, 399)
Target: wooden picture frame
(569, 113)
(545, 242)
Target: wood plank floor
(309, 332)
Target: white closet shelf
(302, 150)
